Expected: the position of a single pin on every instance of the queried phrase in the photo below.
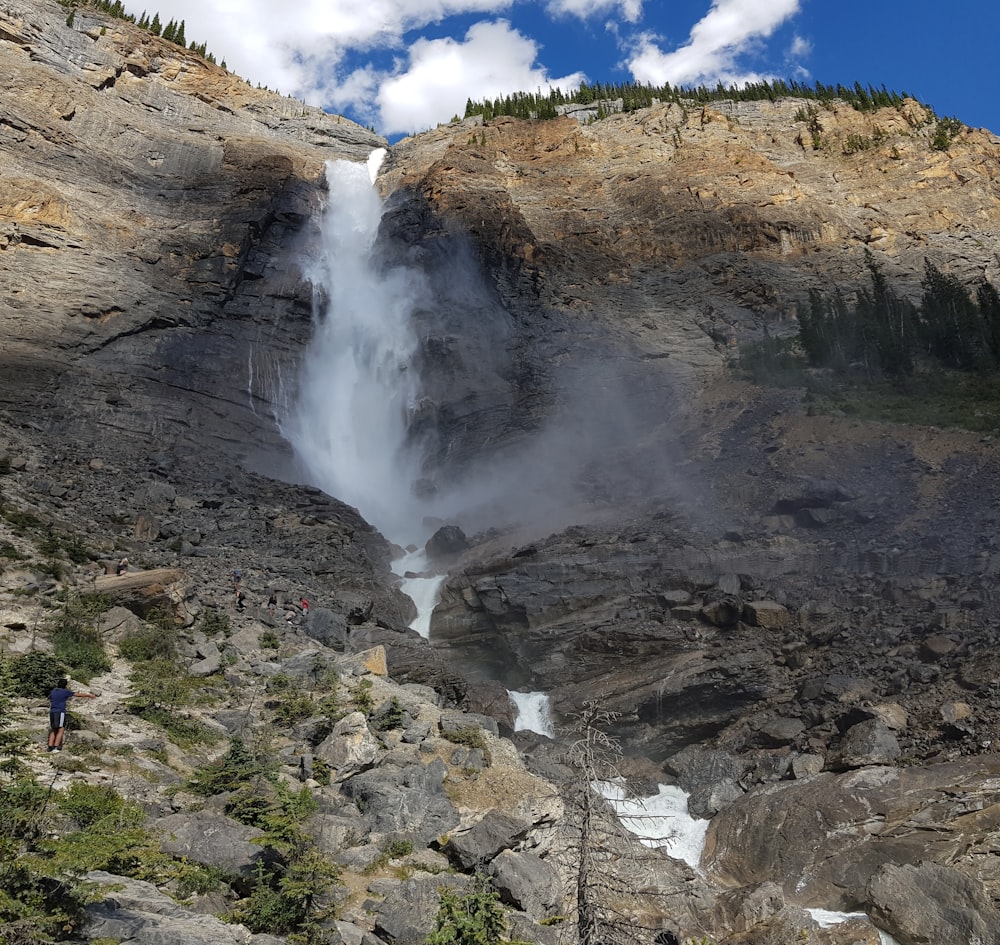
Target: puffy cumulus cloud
(800, 48)
(730, 28)
(629, 10)
(492, 60)
(289, 46)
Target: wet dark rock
(447, 541)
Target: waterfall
(357, 385)
(420, 587)
(533, 713)
(659, 821)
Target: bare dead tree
(614, 887)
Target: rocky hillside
(793, 617)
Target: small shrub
(7, 550)
(212, 621)
(293, 707)
(76, 640)
(35, 674)
(361, 696)
(946, 130)
(476, 917)
(269, 641)
(21, 521)
(238, 766)
(389, 717)
(148, 643)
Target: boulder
(135, 911)
(527, 882)
(932, 903)
(407, 914)
(212, 839)
(823, 838)
(350, 747)
(868, 743)
(768, 614)
(495, 832)
(404, 799)
(447, 541)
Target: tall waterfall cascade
(357, 383)
(356, 387)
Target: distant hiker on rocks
(272, 603)
(237, 579)
(305, 607)
(241, 600)
(57, 712)
(122, 567)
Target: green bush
(361, 696)
(35, 674)
(212, 621)
(234, 770)
(75, 638)
(475, 918)
(389, 716)
(148, 643)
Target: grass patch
(938, 398)
(931, 397)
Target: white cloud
(493, 60)
(630, 10)
(285, 46)
(800, 48)
(730, 28)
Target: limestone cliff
(789, 613)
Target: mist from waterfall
(357, 383)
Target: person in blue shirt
(57, 712)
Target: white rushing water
(533, 713)
(826, 918)
(422, 589)
(357, 384)
(660, 821)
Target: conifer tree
(952, 326)
(155, 27)
(179, 35)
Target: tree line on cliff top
(634, 95)
(173, 31)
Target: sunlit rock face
(763, 596)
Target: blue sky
(405, 65)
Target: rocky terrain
(793, 616)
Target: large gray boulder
(410, 800)
(350, 747)
(868, 743)
(824, 838)
(526, 882)
(407, 914)
(495, 832)
(133, 912)
(212, 839)
(932, 904)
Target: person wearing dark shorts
(57, 712)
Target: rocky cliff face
(794, 616)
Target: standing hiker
(57, 712)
